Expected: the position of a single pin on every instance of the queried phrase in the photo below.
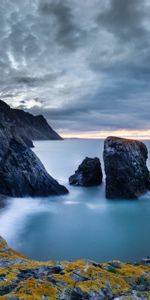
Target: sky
(84, 64)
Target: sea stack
(127, 175)
(89, 173)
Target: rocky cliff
(25, 279)
(32, 127)
(127, 175)
(21, 172)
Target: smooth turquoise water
(83, 224)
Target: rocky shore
(22, 278)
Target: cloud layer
(84, 64)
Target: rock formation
(21, 172)
(27, 141)
(22, 279)
(89, 173)
(26, 125)
(127, 175)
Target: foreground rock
(21, 279)
(89, 173)
(21, 172)
(127, 175)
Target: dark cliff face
(127, 175)
(33, 127)
(21, 171)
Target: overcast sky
(84, 64)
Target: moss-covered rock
(22, 278)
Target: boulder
(89, 173)
(127, 175)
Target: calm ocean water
(83, 224)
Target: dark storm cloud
(68, 33)
(34, 81)
(124, 18)
(84, 64)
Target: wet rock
(127, 175)
(89, 173)
(23, 174)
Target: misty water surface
(83, 224)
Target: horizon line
(124, 133)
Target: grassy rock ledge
(22, 278)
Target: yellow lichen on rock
(22, 278)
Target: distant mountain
(26, 125)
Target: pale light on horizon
(125, 133)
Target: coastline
(22, 278)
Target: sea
(80, 225)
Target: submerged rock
(127, 175)
(22, 278)
(89, 173)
